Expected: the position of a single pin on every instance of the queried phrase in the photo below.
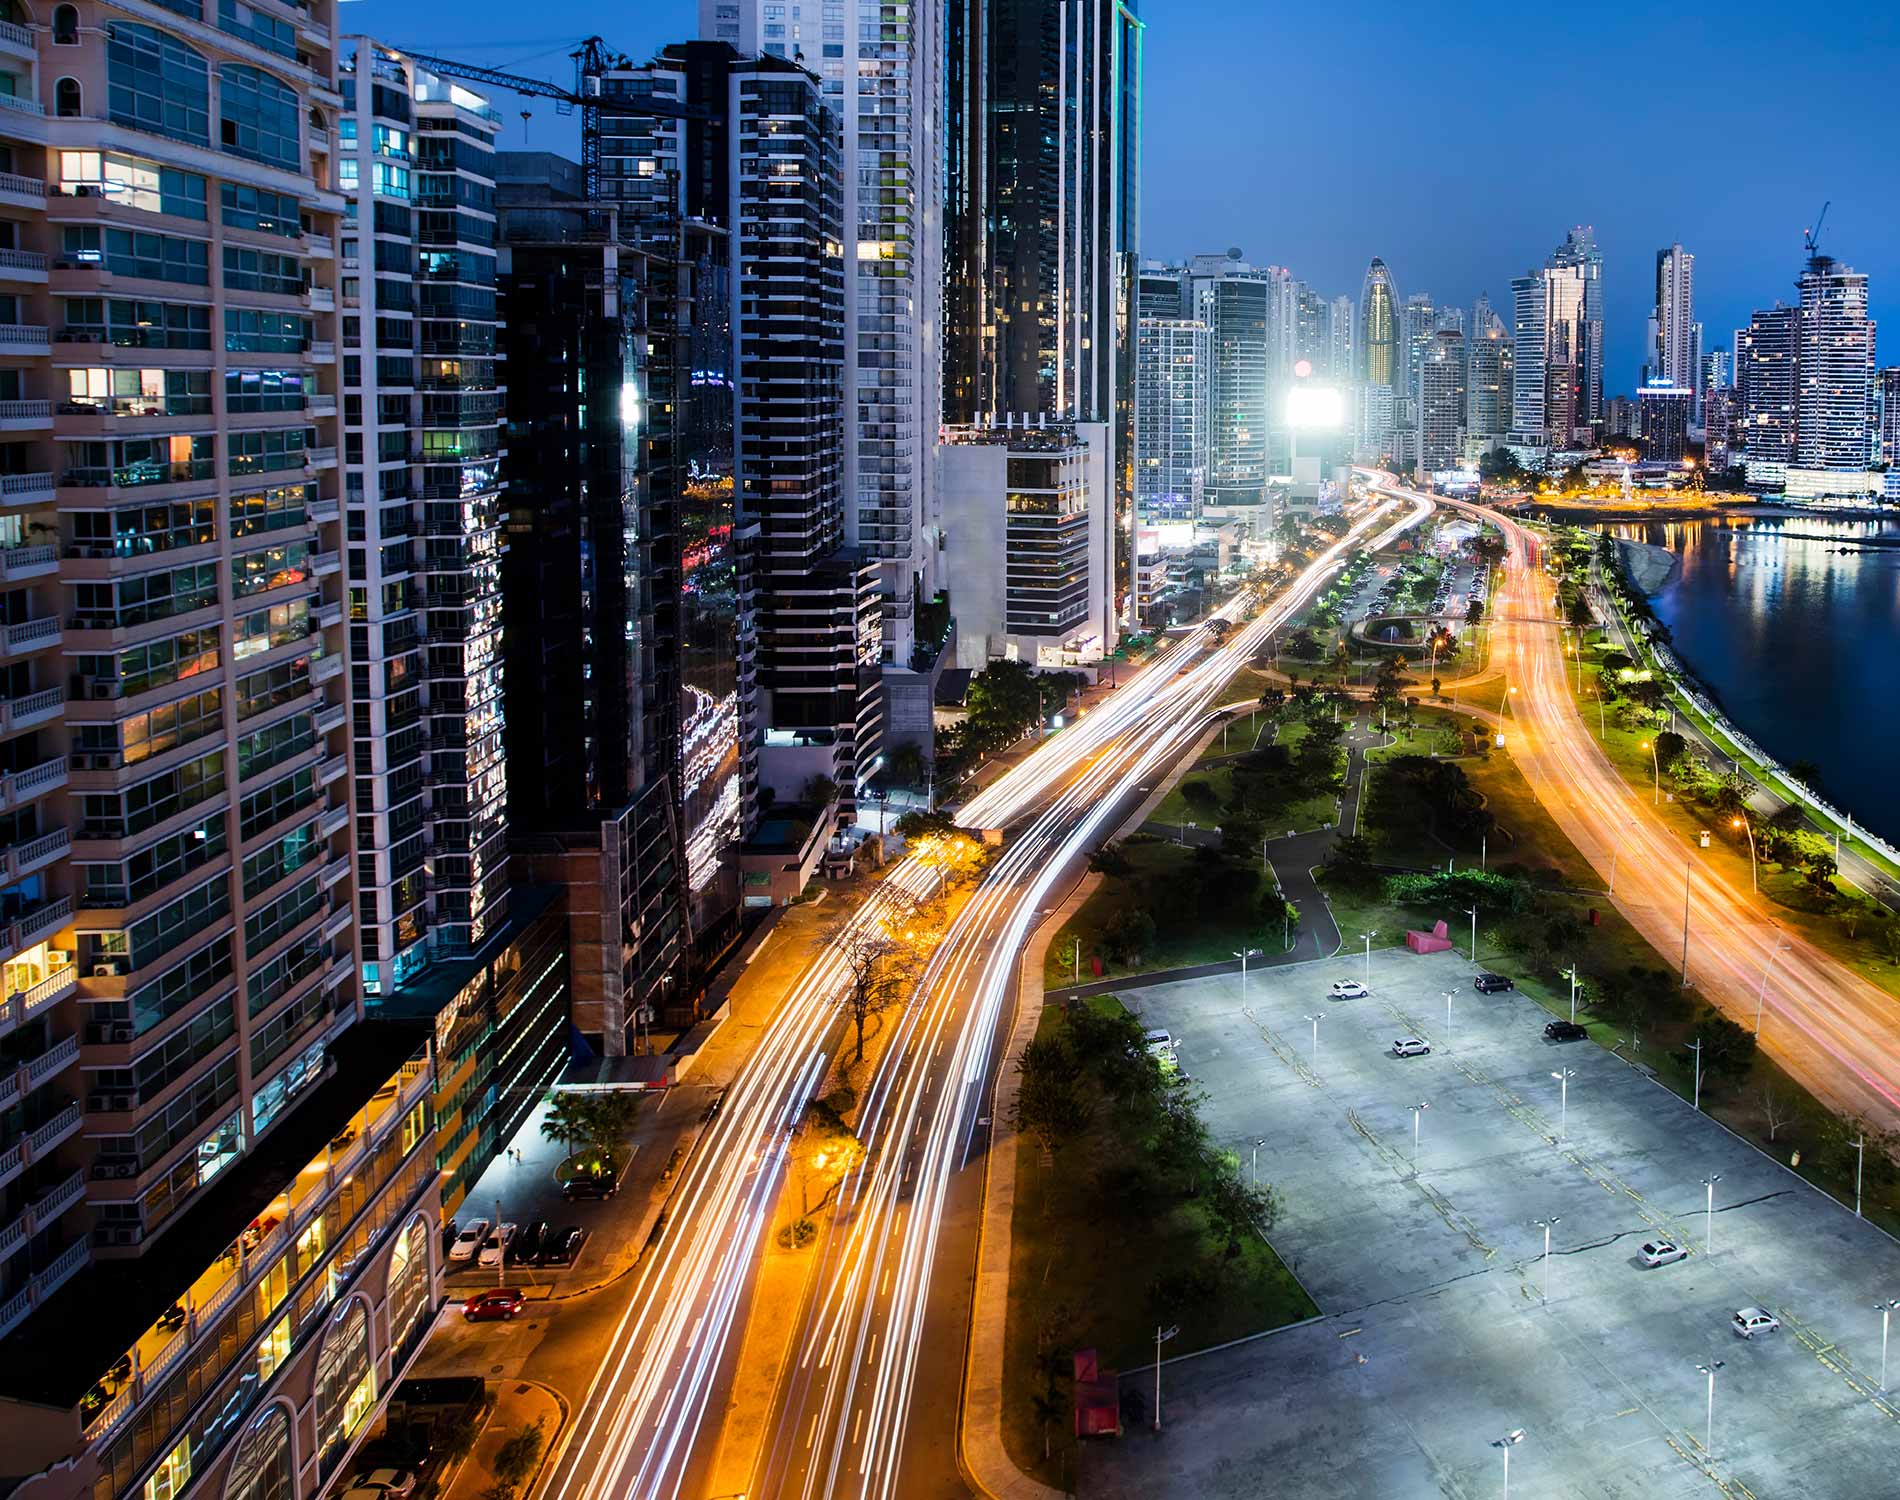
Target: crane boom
(1812, 237)
(591, 60)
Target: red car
(503, 1302)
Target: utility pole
(1696, 1047)
(1687, 865)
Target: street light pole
(1655, 796)
(1708, 1435)
(1860, 1165)
(1315, 1019)
(1563, 1105)
(1368, 937)
(1616, 849)
(1571, 974)
(1696, 1047)
(1162, 1335)
(1242, 956)
(1547, 1225)
(1708, 1214)
(1509, 1441)
(1885, 1309)
(1448, 995)
(1418, 1113)
(1761, 995)
(1472, 912)
(1259, 1141)
(1754, 881)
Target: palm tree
(566, 1122)
(609, 1117)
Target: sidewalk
(519, 1404)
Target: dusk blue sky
(1457, 141)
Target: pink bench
(1437, 940)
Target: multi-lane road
(868, 1399)
(1836, 1032)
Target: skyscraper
(1441, 401)
(1173, 387)
(1557, 331)
(1340, 367)
(1419, 320)
(890, 119)
(1488, 372)
(1674, 337)
(1312, 338)
(1578, 338)
(1663, 412)
(1041, 232)
(1720, 408)
(1231, 297)
(1381, 363)
(1887, 394)
(1766, 386)
(1834, 363)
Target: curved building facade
(1379, 327)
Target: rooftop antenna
(1812, 237)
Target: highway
(883, 1321)
(1835, 1032)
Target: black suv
(1565, 1031)
(1490, 984)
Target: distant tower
(1674, 336)
(1834, 361)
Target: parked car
(1348, 989)
(393, 1482)
(1662, 1253)
(1411, 1046)
(1749, 1321)
(1157, 1041)
(603, 1186)
(527, 1246)
(495, 1247)
(469, 1241)
(1489, 983)
(500, 1304)
(561, 1247)
(1565, 1031)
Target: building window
(262, 1468)
(257, 116)
(346, 1380)
(66, 99)
(408, 1282)
(155, 82)
(65, 26)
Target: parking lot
(1435, 1337)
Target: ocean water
(1793, 623)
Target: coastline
(1651, 568)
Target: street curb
(547, 1449)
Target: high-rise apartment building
(1173, 387)
(1557, 331)
(1674, 337)
(1720, 425)
(1766, 385)
(1489, 369)
(1231, 297)
(1380, 361)
(1340, 366)
(1663, 414)
(1418, 322)
(1716, 368)
(1312, 332)
(421, 491)
(1834, 364)
(1887, 397)
(889, 119)
(1041, 234)
(1441, 402)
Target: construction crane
(1812, 237)
(591, 61)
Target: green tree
(1112, 860)
(1128, 934)
(566, 1122)
(1200, 796)
(879, 969)
(515, 1461)
(1051, 1106)
(609, 1118)
(1474, 611)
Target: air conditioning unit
(124, 1101)
(121, 1033)
(112, 970)
(125, 1169)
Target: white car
(1349, 989)
(469, 1240)
(495, 1247)
(398, 1483)
(1662, 1253)
(1158, 1042)
(1749, 1321)
(1411, 1046)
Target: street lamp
(1696, 1047)
(1162, 1335)
(1259, 1141)
(1885, 1309)
(1547, 1225)
(1739, 821)
(1708, 1435)
(1509, 1441)
(1571, 974)
(1656, 789)
(1708, 1214)
(1472, 912)
(1367, 937)
(1243, 955)
(1617, 849)
(1448, 995)
(1761, 995)
(1418, 1112)
(1315, 1019)
(1563, 1102)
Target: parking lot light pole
(1418, 1113)
(1472, 912)
(1860, 1164)
(1563, 1102)
(1162, 1335)
(1547, 1225)
(1571, 974)
(1243, 955)
(1259, 1141)
(1616, 849)
(1885, 1309)
(1367, 937)
(1509, 1441)
(1448, 995)
(1315, 1020)
(1708, 1214)
(1696, 1047)
(1708, 1431)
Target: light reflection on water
(1798, 638)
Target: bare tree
(1774, 1110)
(880, 962)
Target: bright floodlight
(1315, 406)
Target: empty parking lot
(1437, 1337)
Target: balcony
(28, 1003)
(26, 489)
(333, 769)
(323, 511)
(22, 192)
(27, 562)
(46, 1209)
(20, 860)
(20, 787)
(17, 41)
(339, 923)
(42, 922)
(324, 563)
(55, 1130)
(26, 416)
(328, 613)
(335, 820)
(319, 458)
(336, 870)
(331, 716)
(32, 708)
(323, 351)
(23, 338)
(319, 246)
(319, 299)
(22, 265)
(322, 406)
(326, 666)
(32, 635)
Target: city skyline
(1439, 228)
